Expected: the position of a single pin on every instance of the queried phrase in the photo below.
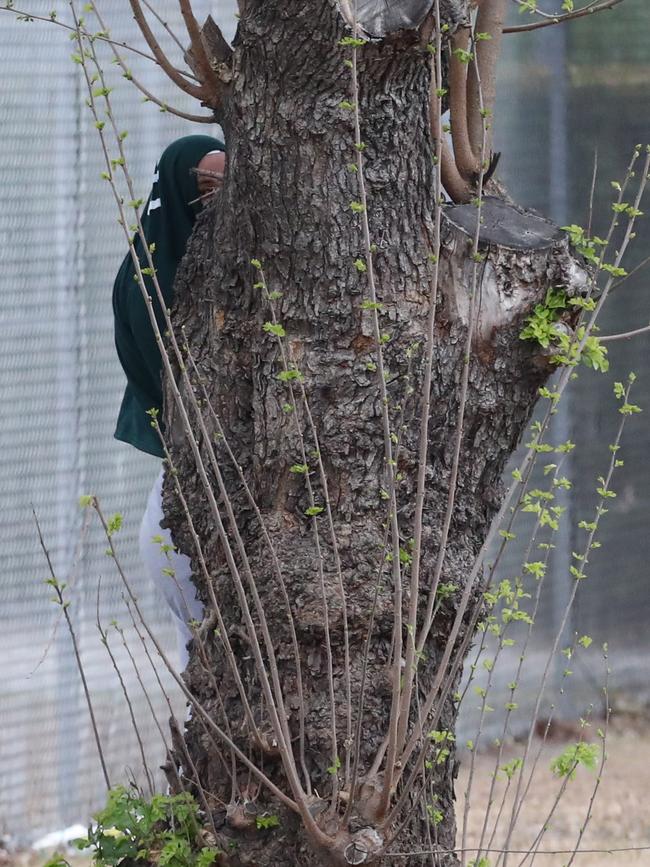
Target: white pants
(177, 588)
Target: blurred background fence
(565, 92)
(60, 388)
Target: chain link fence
(60, 388)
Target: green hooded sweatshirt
(167, 221)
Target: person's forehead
(214, 158)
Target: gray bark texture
(286, 202)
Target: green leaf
(263, 823)
(577, 754)
(405, 557)
(274, 328)
(176, 853)
(352, 42)
(289, 375)
(114, 523)
(206, 857)
(511, 768)
(334, 769)
(462, 55)
(56, 860)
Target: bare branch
(70, 582)
(204, 70)
(591, 9)
(592, 193)
(102, 37)
(174, 726)
(419, 853)
(603, 758)
(388, 449)
(164, 24)
(423, 443)
(625, 335)
(125, 693)
(220, 733)
(482, 73)
(451, 500)
(466, 159)
(455, 186)
(515, 680)
(457, 189)
(65, 605)
(274, 557)
(197, 91)
(356, 749)
(195, 118)
(643, 264)
(223, 632)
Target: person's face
(210, 172)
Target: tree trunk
(286, 202)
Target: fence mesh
(60, 387)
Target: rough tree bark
(286, 202)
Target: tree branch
(590, 9)
(164, 24)
(195, 118)
(219, 58)
(466, 159)
(197, 91)
(455, 186)
(481, 80)
(624, 335)
(206, 73)
(216, 46)
(103, 37)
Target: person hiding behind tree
(186, 175)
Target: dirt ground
(620, 817)
(621, 811)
